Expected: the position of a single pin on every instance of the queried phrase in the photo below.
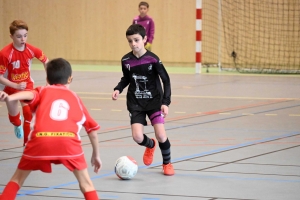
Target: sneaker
(19, 130)
(168, 169)
(148, 155)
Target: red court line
(205, 113)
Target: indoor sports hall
(233, 122)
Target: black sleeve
(162, 72)
(125, 80)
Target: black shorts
(155, 116)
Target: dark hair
(17, 25)
(143, 3)
(136, 29)
(58, 71)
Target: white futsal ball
(126, 167)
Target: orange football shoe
(148, 155)
(168, 169)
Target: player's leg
(27, 120)
(138, 120)
(15, 117)
(85, 184)
(157, 121)
(165, 147)
(11, 189)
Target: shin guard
(91, 195)
(15, 120)
(27, 119)
(10, 191)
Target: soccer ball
(126, 167)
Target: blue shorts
(155, 116)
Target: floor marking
(271, 114)
(179, 112)
(247, 114)
(98, 98)
(95, 108)
(113, 110)
(224, 113)
(225, 97)
(201, 154)
(294, 115)
(227, 139)
(203, 97)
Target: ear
(70, 79)
(11, 36)
(145, 39)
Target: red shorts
(10, 90)
(45, 165)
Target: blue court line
(181, 159)
(226, 148)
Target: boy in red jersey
(147, 22)
(15, 60)
(59, 114)
(143, 72)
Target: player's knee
(138, 138)
(161, 137)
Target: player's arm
(151, 32)
(6, 82)
(166, 101)
(12, 100)
(45, 63)
(39, 54)
(162, 72)
(125, 80)
(91, 127)
(23, 95)
(95, 160)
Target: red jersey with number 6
(59, 115)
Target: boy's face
(19, 38)
(136, 42)
(143, 11)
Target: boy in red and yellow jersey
(59, 115)
(15, 62)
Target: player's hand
(21, 86)
(115, 95)
(96, 163)
(3, 96)
(165, 110)
(148, 46)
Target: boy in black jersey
(142, 71)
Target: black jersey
(144, 76)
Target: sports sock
(27, 119)
(15, 120)
(91, 195)
(10, 191)
(165, 148)
(147, 142)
